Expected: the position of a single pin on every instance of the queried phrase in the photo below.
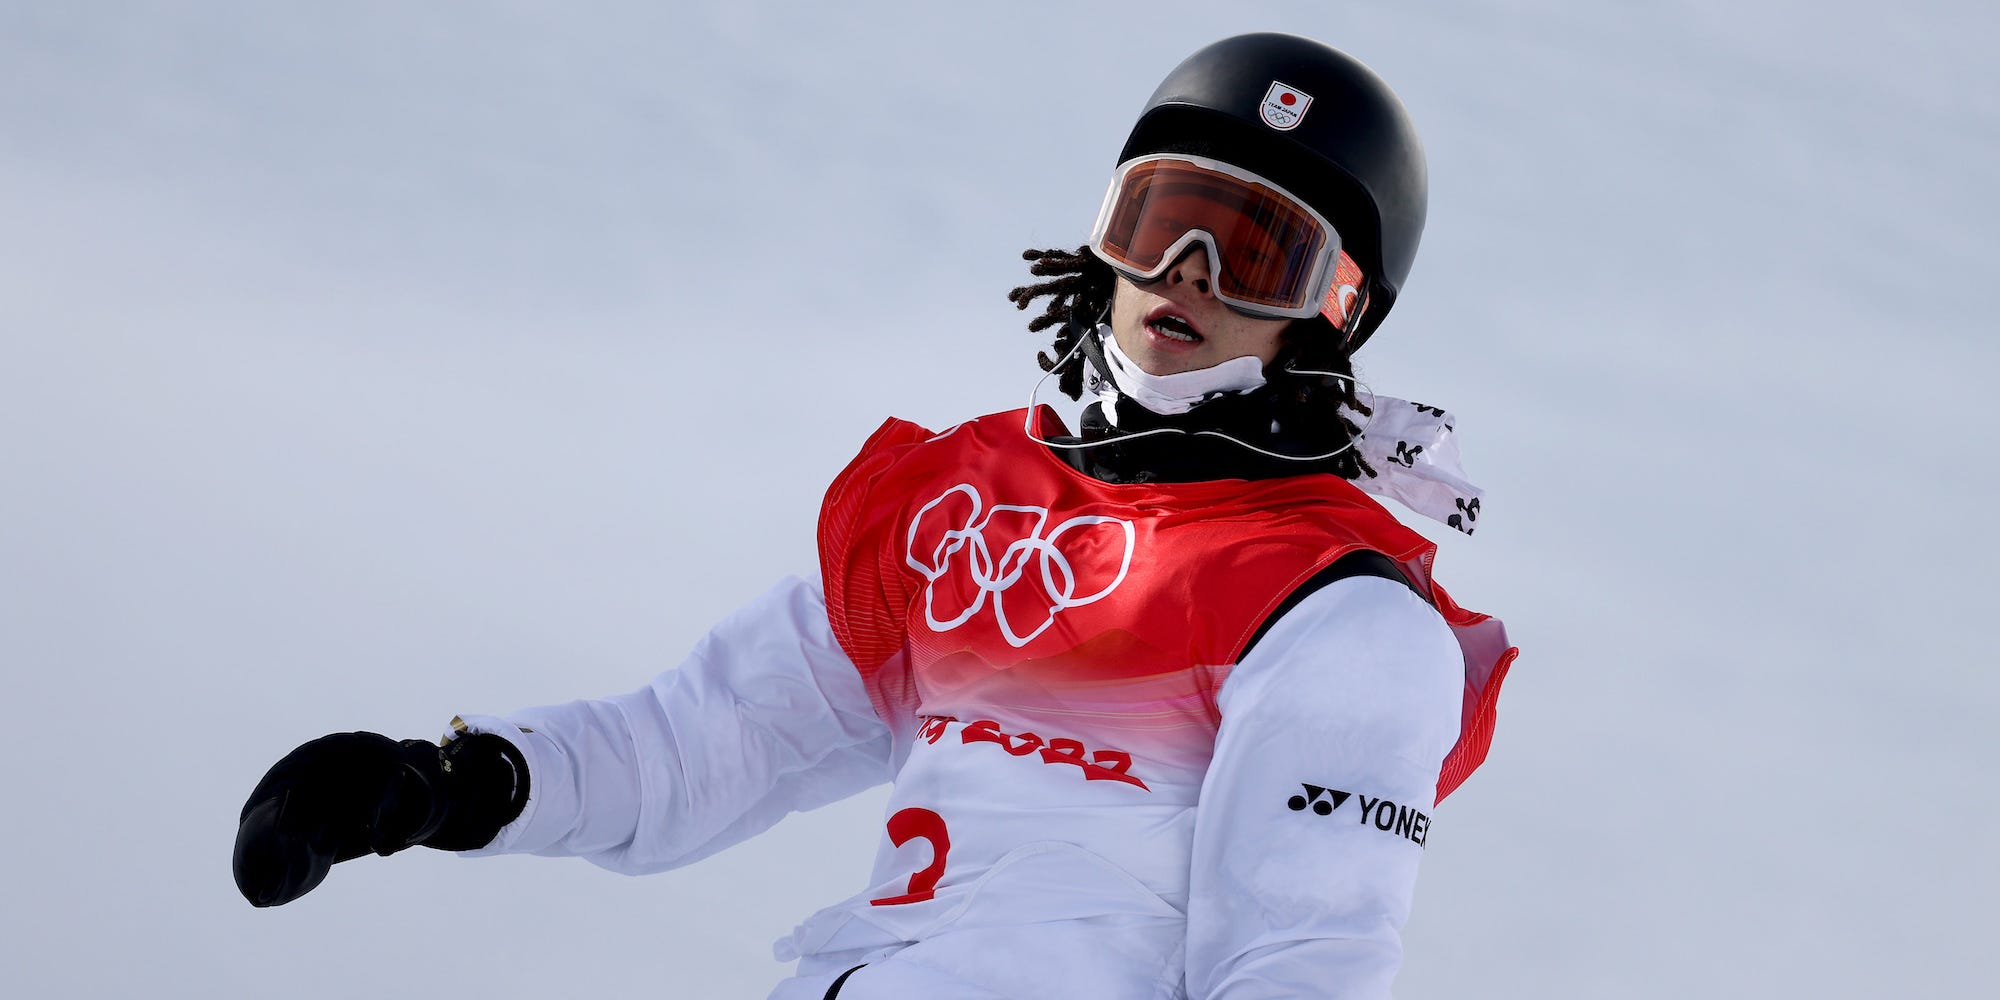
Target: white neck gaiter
(1413, 447)
(1170, 394)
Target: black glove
(342, 796)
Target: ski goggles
(1269, 254)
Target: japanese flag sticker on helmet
(1284, 107)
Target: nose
(1191, 268)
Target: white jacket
(1287, 873)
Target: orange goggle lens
(1272, 253)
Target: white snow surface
(361, 364)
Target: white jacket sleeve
(767, 716)
(1317, 804)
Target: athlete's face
(1176, 324)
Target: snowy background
(362, 364)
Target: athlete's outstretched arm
(767, 716)
(1314, 811)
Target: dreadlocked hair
(1079, 288)
(1079, 293)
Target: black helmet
(1340, 140)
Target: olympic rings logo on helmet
(1078, 562)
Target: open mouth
(1173, 326)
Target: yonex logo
(1333, 799)
(971, 555)
(1382, 814)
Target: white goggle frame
(1320, 277)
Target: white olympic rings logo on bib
(965, 541)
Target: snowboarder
(1166, 699)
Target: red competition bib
(972, 575)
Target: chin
(1174, 366)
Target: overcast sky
(369, 363)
